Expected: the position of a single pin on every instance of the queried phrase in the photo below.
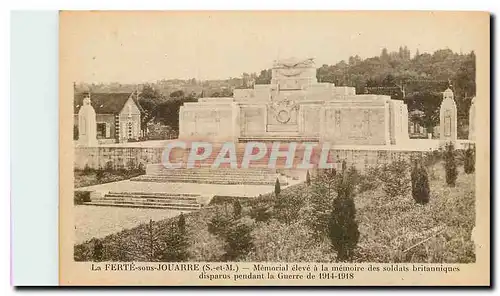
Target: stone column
(472, 120)
(448, 117)
(87, 126)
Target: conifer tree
(469, 160)
(420, 189)
(450, 165)
(237, 209)
(97, 252)
(277, 187)
(343, 229)
(181, 223)
(308, 179)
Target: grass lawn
(392, 229)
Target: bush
(420, 184)
(450, 165)
(395, 178)
(176, 245)
(469, 160)
(321, 201)
(80, 197)
(370, 180)
(278, 242)
(109, 167)
(99, 175)
(219, 224)
(87, 170)
(260, 212)
(239, 240)
(237, 209)
(287, 205)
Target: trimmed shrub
(469, 160)
(420, 189)
(395, 178)
(450, 165)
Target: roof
(103, 103)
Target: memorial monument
(295, 107)
(87, 128)
(448, 117)
(472, 120)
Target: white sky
(134, 47)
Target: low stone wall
(125, 157)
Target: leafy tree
(420, 183)
(450, 165)
(428, 102)
(264, 77)
(149, 98)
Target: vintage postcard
(311, 148)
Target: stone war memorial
(296, 107)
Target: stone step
(176, 196)
(284, 139)
(138, 198)
(169, 207)
(215, 175)
(132, 201)
(207, 180)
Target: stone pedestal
(87, 127)
(448, 117)
(472, 120)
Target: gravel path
(93, 221)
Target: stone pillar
(448, 117)
(87, 127)
(472, 120)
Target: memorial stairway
(159, 200)
(208, 175)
